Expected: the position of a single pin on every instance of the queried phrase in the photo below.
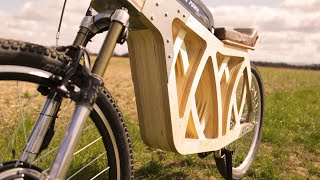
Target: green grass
(152, 163)
(10, 150)
(290, 146)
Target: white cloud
(287, 35)
(290, 32)
(46, 11)
(287, 47)
(267, 18)
(304, 6)
(37, 22)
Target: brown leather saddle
(241, 37)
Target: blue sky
(289, 29)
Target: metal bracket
(228, 155)
(98, 23)
(91, 84)
(122, 16)
(65, 88)
(102, 21)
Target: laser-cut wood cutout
(192, 90)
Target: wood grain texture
(191, 88)
(148, 73)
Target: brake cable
(59, 28)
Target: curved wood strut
(186, 81)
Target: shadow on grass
(157, 170)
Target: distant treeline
(285, 65)
(315, 67)
(122, 55)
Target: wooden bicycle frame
(185, 79)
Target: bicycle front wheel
(246, 148)
(104, 150)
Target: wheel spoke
(235, 151)
(88, 145)
(101, 172)
(21, 123)
(245, 148)
(239, 144)
(88, 128)
(56, 148)
(21, 112)
(10, 145)
(87, 165)
(8, 139)
(19, 81)
(64, 114)
(46, 154)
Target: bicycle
(196, 93)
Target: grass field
(290, 147)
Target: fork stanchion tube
(47, 115)
(87, 98)
(107, 48)
(82, 37)
(88, 94)
(63, 159)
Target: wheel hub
(20, 170)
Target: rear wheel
(104, 150)
(246, 148)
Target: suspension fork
(88, 94)
(39, 132)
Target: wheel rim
(246, 147)
(12, 139)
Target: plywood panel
(148, 72)
(186, 81)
